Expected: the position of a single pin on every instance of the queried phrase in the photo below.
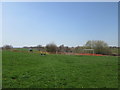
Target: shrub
(51, 47)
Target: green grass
(0, 68)
(24, 49)
(30, 70)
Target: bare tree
(39, 47)
(7, 47)
(62, 48)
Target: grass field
(0, 68)
(31, 70)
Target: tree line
(99, 47)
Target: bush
(51, 47)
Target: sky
(0, 24)
(68, 23)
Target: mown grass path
(31, 70)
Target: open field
(0, 68)
(31, 70)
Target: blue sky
(68, 23)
